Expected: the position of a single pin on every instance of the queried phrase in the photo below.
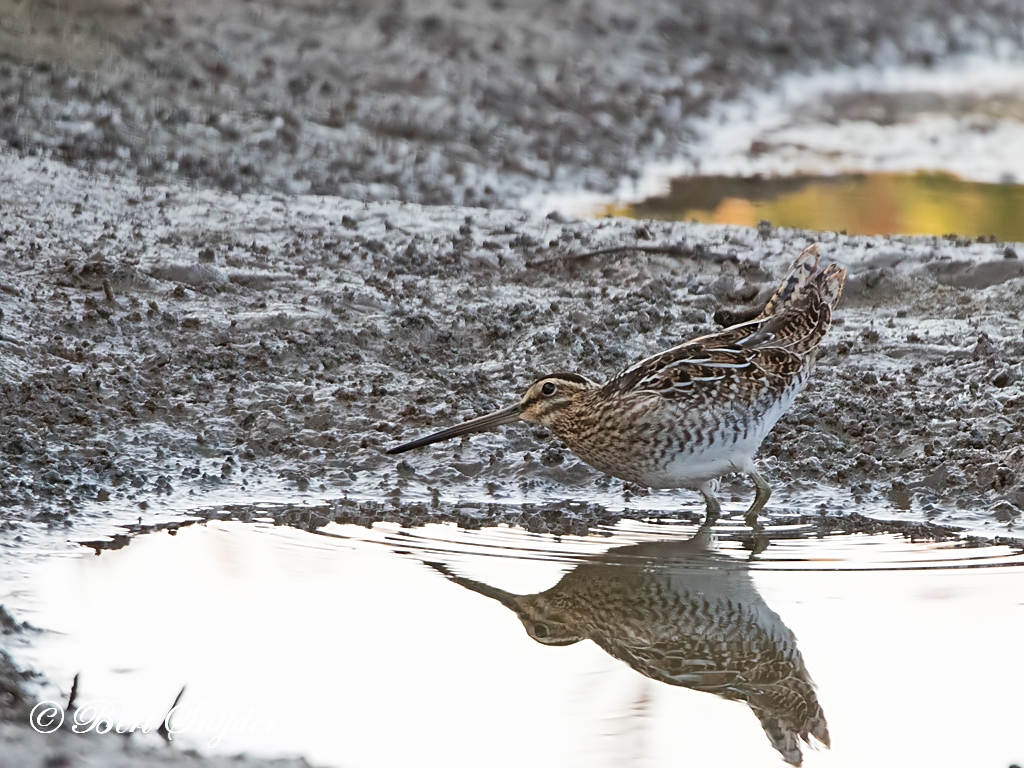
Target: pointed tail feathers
(830, 282)
(794, 284)
(803, 280)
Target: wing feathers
(746, 357)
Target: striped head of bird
(553, 401)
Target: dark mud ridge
(559, 519)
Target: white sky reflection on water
(365, 657)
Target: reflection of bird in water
(687, 416)
(677, 612)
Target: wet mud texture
(475, 102)
(165, 348)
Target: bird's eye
(548, 388)
(541, 630)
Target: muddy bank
(468, 103)
(165, 348)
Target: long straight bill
(505, 598)
(479, 424)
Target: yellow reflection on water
(869, 204)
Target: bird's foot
(762, 493)
(714, 509)
(757, 542)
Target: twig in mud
(699, 252)
(73, 695)
(163, 731)
(388, 227)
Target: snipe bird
(685, 417)
(683, 614)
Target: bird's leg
(757, 542)
(763, 493)
(714, 509)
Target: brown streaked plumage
(685, 417)
(682, 614)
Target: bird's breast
(661, 443)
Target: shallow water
(865, 204)
(435, 646)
